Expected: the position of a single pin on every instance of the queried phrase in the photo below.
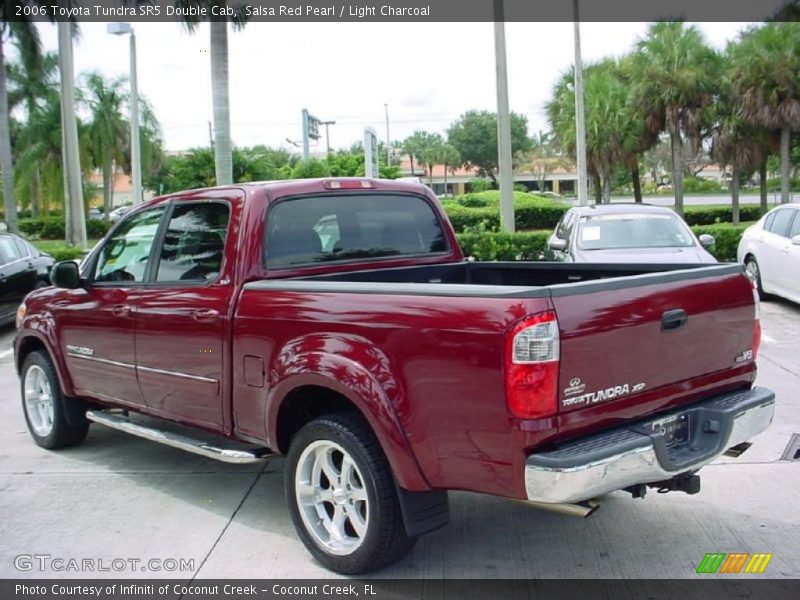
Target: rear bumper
(637, 453)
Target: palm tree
(223, 156)
(31, 83)
(26, 36)
(676, 74)
(615, 133)
(108, 129)
(766, 65)
(450, 158)
(39, 156)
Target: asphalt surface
(117, 496)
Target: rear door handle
(205, 315)
(673, 319)
(121, 310)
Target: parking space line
(6, 353)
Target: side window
(22, 248)
(795, 230)
(9, 250)
(194, 243)
(768, 221)
(569, 221)
(780, 224)
(124, 256)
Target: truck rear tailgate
(622, 339)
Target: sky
(427, 73)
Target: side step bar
(179, 441)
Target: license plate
(675, 429)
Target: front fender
(350, 366)
(40, 326)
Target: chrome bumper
(619, 458)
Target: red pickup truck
(337, 323)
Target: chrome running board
(179, 441)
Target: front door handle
(121, 310)
(673, 319)
(205, 315)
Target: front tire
(342, 496)
(45, 406)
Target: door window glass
(780, 224)
(194, 243)
(124, 256)
(23, 248)
(795, 230)
(9, 250)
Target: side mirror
(557, 244)
(65, 274)
(796, 240)
(706, 240)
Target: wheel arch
(305, 396)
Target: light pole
(580, 123)
(327, 134)
(388, 143)
(503, 122)
(136, 155)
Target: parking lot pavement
(117, 496)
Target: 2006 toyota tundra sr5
(336, 322)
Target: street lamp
(136, 156)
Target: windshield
(612, 232)
(316, 229)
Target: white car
(770, 251)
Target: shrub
(726, 236)
(693, 185)
(531, 245)
(480, 185)
(471, 211)
(97, 228)
(52, 228)
(65, 252)
(504, 246)
(708, 215)
(774, 184)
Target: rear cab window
(313, 230)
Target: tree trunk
(637, 183)
(786, 135)
(107, 184)
(735, 196)
(445, 181)
(598, 189)
(36, 191)
(677, 170)
(607, 188)
(223, 160)
(76, 231)
(6, 162)
(411, 156)
(762, 185)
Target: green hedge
(473, 213)
(531, 245)
(65, 252)
(481, 211)
(504, 246)
(726, 236)
(708, 215)
(52, 228)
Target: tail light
(348, 184)
(532, 355)
(757, 324)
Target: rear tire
(342, 497)
(45, 406)
(754, 272)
